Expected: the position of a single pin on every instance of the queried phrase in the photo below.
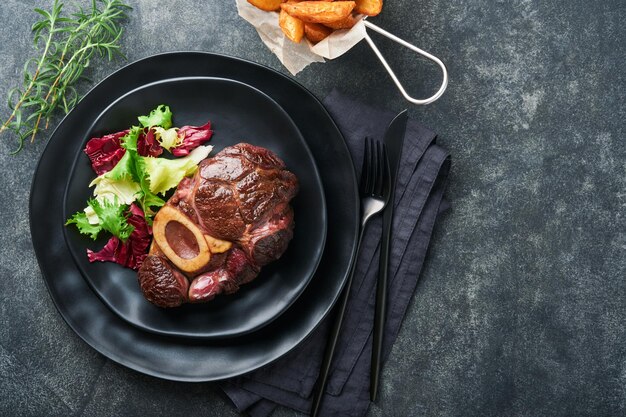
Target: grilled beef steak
(220, 227)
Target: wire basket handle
(444, 83)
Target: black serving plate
(189, 359)
(238, 113)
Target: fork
(375, 187)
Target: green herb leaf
(66, 44)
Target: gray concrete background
(521, 305)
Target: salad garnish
(132, 180)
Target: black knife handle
(394, 141)
(333, 337)
(380, 314)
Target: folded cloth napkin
(422, 177)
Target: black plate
(238, 113)
(179, 358)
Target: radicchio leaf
(132, 253)
(105, 152)
(193, 136)
(147, 145)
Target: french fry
(369, 7)
(267, 5)
(319, 11)
(292, 27)
(316, 32)
(317, 19)
(345, 23)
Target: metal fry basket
(444, 81)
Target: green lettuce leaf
(129, 141)
(112, 217)
(147, 198)
(123, 190)
(131, 168)
(165, 174)
(123, 170)
(103, 215)
(81, 221)
(161, 116)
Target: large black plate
(239, 113)
(179, 358)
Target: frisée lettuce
(161, 116)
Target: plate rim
(112, 353)
(318, 180)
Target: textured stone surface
(520, 309)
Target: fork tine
(365, 168)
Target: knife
(394, 139)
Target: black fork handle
(333, 337)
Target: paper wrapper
(296, 56)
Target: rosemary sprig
(67, 46)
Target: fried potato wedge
(319, 11)
(369, 7)
(292, 27)
(345, 23)
(316, 32)
(267, 5)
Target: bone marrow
(181, 240)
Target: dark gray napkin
(419, 199)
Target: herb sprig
(67, 46)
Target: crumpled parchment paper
(296, 56)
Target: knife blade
(394, 140)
